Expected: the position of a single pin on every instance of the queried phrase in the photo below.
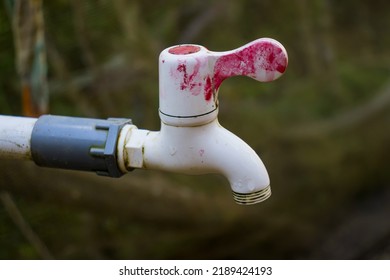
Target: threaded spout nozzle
(252, 198)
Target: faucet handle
(264, 60)
(190, 77)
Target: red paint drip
(184, 49)
(183, 69)
(208, 89)
(260, 56)
(189, 81)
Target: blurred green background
(322, 130)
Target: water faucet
(190, 140)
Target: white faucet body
(191, 140)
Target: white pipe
(15, 137)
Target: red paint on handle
(263, 60)
(259, 57)
(184, 49)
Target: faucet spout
(208, 148)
